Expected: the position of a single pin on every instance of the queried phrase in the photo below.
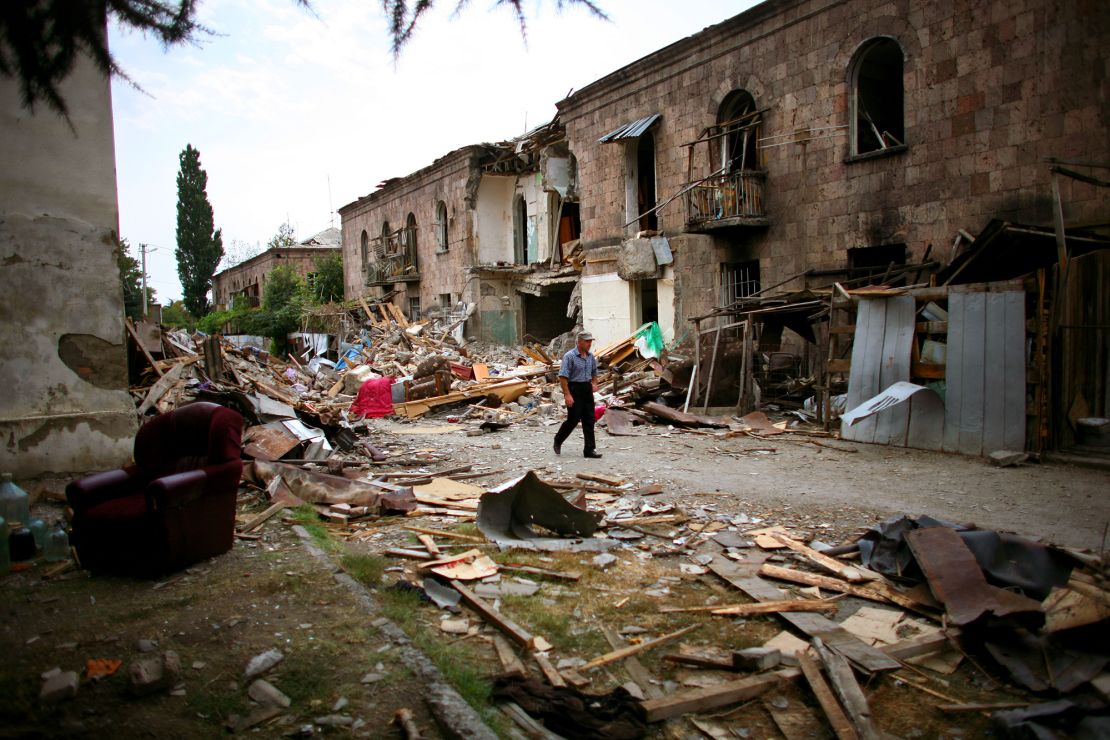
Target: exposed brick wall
(991, 90)
(440, 272)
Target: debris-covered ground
(662, 580)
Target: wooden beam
(834, 566)
(848, 691)
(699, 700)
(873, 591)
(139, 343)
(512, 630)
(633, 666)
(634, 649)
(549, 671)
(839, 721)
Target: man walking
(578, 379)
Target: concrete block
(756, 659)
(59, 687)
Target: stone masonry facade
(452, 180)
(991, 91)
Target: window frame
(859, 60)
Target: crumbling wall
(232, 281)
(65, 404)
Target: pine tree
(199, 248)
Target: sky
(297, 113)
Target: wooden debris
(633, 666)
(848, 691)
(793, 718)
(778, 607)
(444, 533)
(512, 630)
(1000, 706)
(634, 649)
(873, 591)
(549, 671)
(835, 714)
(608, 480)
(510, 663)
(847, 572)
(699, 700)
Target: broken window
(442, 244)
(645, 181)
(870, 265)
(738, 280)
(520, 230)
(877, 115)
(364, 248)
(738, 123)
(414, 308)
(408, 239)
(386, 245)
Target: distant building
(248, 279)
(477, 226)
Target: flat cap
(585, 336)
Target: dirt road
(851, 486)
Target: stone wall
(991, 90)
(451, 179)
(250, 277)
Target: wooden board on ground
(846, 688)
(699, 700)
(794, 719)
(633, 666)
(864, 656)
(831, 707)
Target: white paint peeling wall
(493, 220)
(607, 303)
(665, 297)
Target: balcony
(727, 200)
(393, 268)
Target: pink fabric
(375, 399)
(599, 411)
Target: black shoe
(592, 453)
(558, 449)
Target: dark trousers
(582, 410)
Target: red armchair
(174, 506)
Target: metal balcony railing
(735, 199)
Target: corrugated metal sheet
(631, 130)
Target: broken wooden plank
(873, 591)
(429, 545)
(794, 719)
(633, 666)
(608, 480)
(778, 607)
(868, 658)
(161, 387)
(445, 533)
(511, 629)
(983, 707)
(701, 661)
(616, 655)
(550, 673)
(510, 663)
(699, 700)
(834, 566)
(570, 575)
(846, 688)
(833, 712)
(402, 552)
(139, 343)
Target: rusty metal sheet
(674, 416)
(957, 580)
(620, 423)
(269, 442)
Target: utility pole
(142, 248)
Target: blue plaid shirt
(578, 369)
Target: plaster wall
(65, 406)
(493, 220)
(992, 89)
(607, 305)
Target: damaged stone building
(802, 142)
(474, 231)
(248, 278)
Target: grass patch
(214, 702)
(366, 569)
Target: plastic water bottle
(38, 531)
(5, 556)
(15, 504)
(57, 544)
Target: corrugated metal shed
(631, 130)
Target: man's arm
(566, 391)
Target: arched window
(364, 248)
(441, 227)
(408, 239)
(738, 121)
(877, 116)
(387, 246)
